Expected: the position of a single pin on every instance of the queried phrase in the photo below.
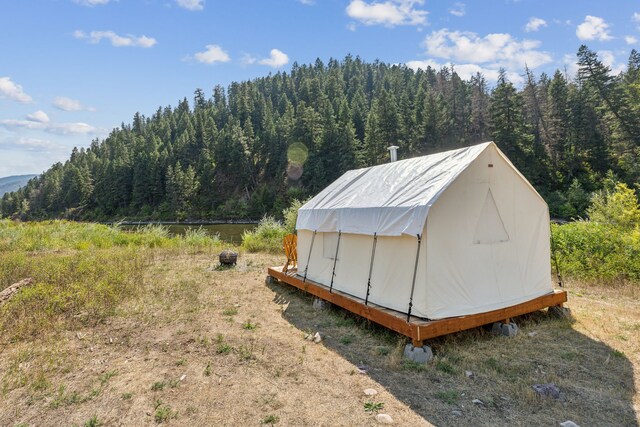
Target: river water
(231, 233)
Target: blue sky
(71, 70)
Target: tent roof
(390, 199)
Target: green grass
(81, 271)
(373, 407)
(450, 396)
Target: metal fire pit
(228, 257)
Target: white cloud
(14, 91)
(91, 3)
(30, 144)
(115, 39)
(55, 128)
(570, 64)
(351, 26)
(535, 24)
(458, 9)
(277, 59)
(38, 116)
(466, 71)
(213, 53)
(493, 50)
(635, 17)
(389, 13)
(192, 5)
(630, 40)
(307, 2)
(608, 58)
(593, 28)
(68, 104)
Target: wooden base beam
(417, 329)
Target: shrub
(597, 251)
(266, 237)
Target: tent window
(490, 228)
(329, 243)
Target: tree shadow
(596, 381)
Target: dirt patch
(201, 346)
(208, 346)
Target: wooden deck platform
(417, 329)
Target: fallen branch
(13, 289)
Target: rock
(477, 402)
(469, 374)
(550, 390)
(533, 334)
(384, 419)
(183, 377)
(559, 312)
(505, 329)
(370, 392)
(418, 354)
(317, 338)
(569, 423)
(320, 304)
(456, 413)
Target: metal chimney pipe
(393, 152)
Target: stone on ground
(418, 354)
(370, 392)
(505, 329)
(550, 390)
(384, 419)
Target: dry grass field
(199, 346)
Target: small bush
(266, 237)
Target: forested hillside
(13, 183)
(251, 149)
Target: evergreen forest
(250, 149)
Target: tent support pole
(555, 259)
(306, 267)
(335, 260)
(415, 272)
(373, 254)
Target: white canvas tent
(449, 234)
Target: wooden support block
(417, 329)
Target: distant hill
(12, 183)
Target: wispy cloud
(593, 28)
(193, 5)
(67, 104)
(631, 40)
(91, 3)
(307, 2)
(212, 54)
(534, 24)
(30, 144)
(389, 13)
(458, 9)
(116, 40)
(13, 91)
(55, 128)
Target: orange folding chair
(290, 245)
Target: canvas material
(485, 246)
(391, 199)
